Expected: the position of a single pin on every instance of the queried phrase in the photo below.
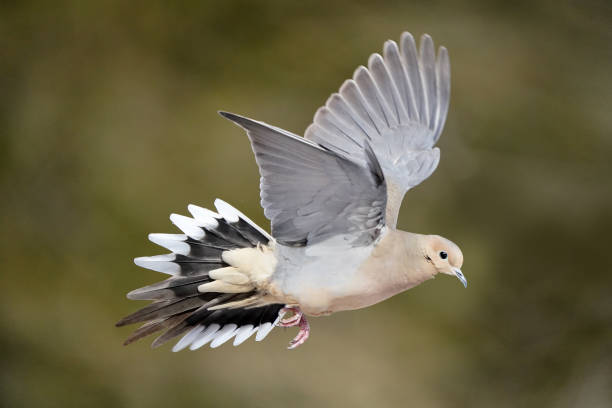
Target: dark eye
(443, 255)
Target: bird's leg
(298, 319)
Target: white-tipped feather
(207, 335)
(159, 263)
(198, 211)
(223, 335)
(243, 333)
(227, 211)
(204, 217)
(172, 242)
(188, 338)
(188, 226)
(231, 214)
(263, 331)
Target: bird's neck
(400, 254)
(417, 268)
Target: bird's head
(445, 256)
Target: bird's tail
(178, 307)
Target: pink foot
(298, 319)
(302, 335)
(293, 320)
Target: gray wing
(310, 193)
(398, 105)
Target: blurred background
(108, 124)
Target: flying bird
(332, 198)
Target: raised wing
(310, 193)
(398, 105)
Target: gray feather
(154, 326)
(163, 308)
(170, 288)
(308, 192)
(427, 67)
(443, 81)
(399, 104)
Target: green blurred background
(108, 123)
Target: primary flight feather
(332, 198)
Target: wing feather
(311, 193)
(399, 105)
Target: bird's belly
(319, 283)
(328, 299)
(372, 292)
(354, 289)
(325, 293)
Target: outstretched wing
(398, 105)
(310, 193)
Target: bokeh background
(108, 123)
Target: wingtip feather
(237, 119)
(226, 115)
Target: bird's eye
(443, 255)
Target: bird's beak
(460, 276)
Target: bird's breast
(348, 279)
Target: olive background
(108, 124)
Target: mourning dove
(332, 197)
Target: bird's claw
(298, 319)
(302, 335)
